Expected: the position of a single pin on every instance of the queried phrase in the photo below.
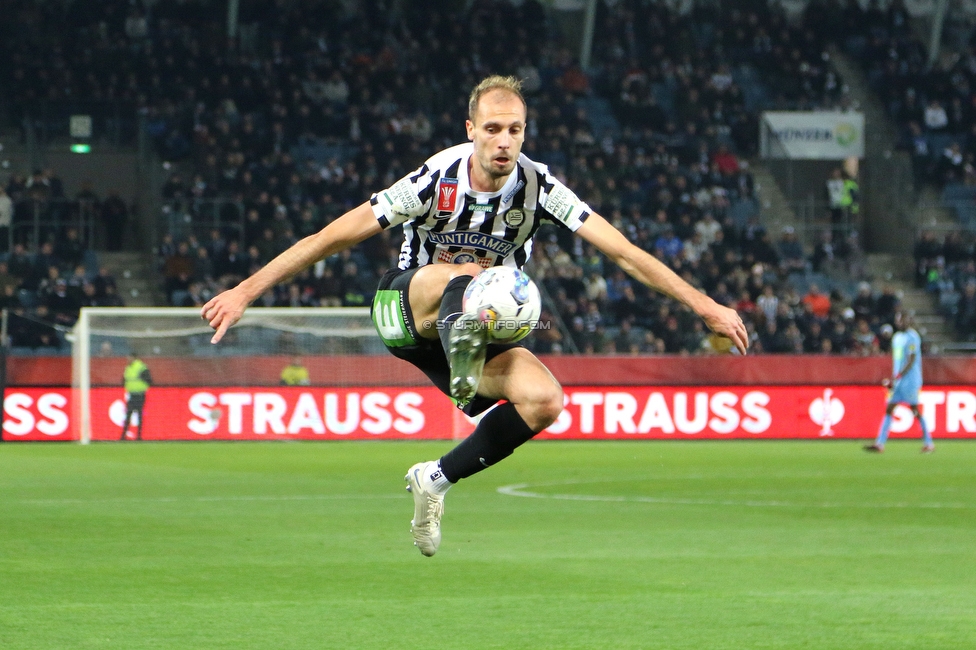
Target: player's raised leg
(436, 297)
(427, 484)
(534, 401)
(428, 288)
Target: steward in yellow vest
(136, 380)
(295, 374)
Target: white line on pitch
(295, 497)
(521, 490)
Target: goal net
(280, 373)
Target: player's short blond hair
(494, 82)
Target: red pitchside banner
(294, 413)
(591, 413)
(754, 412)
(723, 370)
(37, 414)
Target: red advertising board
(754, 412)
(588, 370)
(37, 414)
(591, 413)
(294, 413)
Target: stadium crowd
(317, 106)
(946, 268)
(932, 102)
(43, 287)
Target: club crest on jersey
(514, 218)
(447, 191)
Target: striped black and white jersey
(446, 221)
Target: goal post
(280, 373)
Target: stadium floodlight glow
(80, 147)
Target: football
(506, 301)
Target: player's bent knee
(469, 268)
(553, 407)
(543, 408)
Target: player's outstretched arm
(225, 309)
(650, 271)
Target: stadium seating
(286, 130)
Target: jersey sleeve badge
(447, 191)
(564, 206)
(400, 202)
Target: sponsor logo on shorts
(389, 318)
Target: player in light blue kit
(906, 382)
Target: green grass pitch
(565, 545)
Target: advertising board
(407, 413)
(813, 135)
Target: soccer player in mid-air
(468, 208)
(905, 383)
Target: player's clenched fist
(222, 311)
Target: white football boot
(428, 507)
(468, 342)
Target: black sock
(451, 304)
(500, 431)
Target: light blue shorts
(905, 393)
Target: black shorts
(399, 333)
(137, 401)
